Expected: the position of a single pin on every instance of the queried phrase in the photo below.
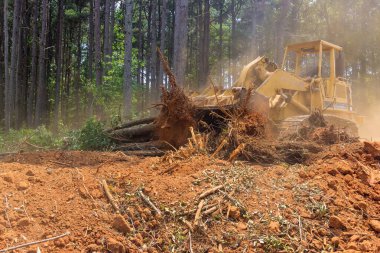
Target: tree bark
(281, 26)
(41, 103)
(13, 73)
(98, 60)
(180, 41)
(7, 104)
(162, 38)
(140, 81)
(232, 42)
(58, 61)
(134, 131)
(33, 82)
(112, 25)
(127, 87)
(22, 67)
(91, 40)
(77, 83)
(90, 108)
(106, 40)
(220, 45)
(205, 45)
(153, 54)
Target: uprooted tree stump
(171, 126)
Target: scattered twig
(219, 148)
(233, 200)
(211, 210)
(170, 169)
(193, 137)
(210, 191)
(84, 186)
(149, 202)
(190, 243)
(236, 152)
(300, 226)
(188, 224)
(198, 213)
(34, 146)
(109, 196)
(61, 163)
(34, 243)
(6, 210)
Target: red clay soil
(331, 204)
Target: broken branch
(34, 243)
(210, 191)
(198, 213)
(149, 202)
(219, 148)
(109, 196)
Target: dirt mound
(204, 204)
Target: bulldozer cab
(321, 60)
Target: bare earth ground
(331, 203)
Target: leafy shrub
(92, 136)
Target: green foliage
(29, 139)
(319, 209)
(275, 244)
(92, 136)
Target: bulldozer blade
(258, 103)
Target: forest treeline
(62, 61)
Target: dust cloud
(370, 129)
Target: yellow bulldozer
(310, 79)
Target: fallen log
(144, 153)
(150, 145)
(132, 123)
(133, 132)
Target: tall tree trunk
(68, 75)
(106, 38)
(280, 29)
(98, 53)
(127, 87)
(91, 41)
(232, 42)
(14, 57)
(33, 82)
(220, 45)
(180, 40)
(7, 102)
(77, 84)
(1, 62)
(153, 53)
(112, 25)
(41, 103)
(91, 57)
(140, 59)
(148, 84)
(164, 17)
(204, 67)
(58, 61)
(22, 65)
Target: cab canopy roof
(313, 46)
